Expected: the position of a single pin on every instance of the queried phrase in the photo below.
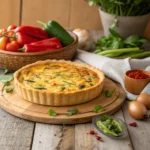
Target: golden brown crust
(59, 98)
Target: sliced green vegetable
(109, 125)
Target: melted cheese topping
(58, 77)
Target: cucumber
(54, 29)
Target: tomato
(13, 46)
(11, 27)
(3, 42)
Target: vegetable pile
(34, 39)
(110, 126)
(115, 46)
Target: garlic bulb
(84, 40)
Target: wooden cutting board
(16, 105)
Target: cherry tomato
(11, 27)
(3, 42)
(13, 46)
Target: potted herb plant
(132, 15)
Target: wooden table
(19, 134)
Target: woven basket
(15, 60)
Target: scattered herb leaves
(108, 93)
(72, 111)
(9, 89)
(98, 109)
(51, 112)
(40, 88)
(6, 71)
(6, 78)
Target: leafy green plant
(115, 46)
(123, 7)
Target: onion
(144, 99)
(137, 110)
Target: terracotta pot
(127, 25)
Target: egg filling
(58, 77)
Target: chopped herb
(51, 112)
(29, 80)
(81, 86)
(98, 109)
(58, 74)
(46, 67)
(6, 71)
(62, 89)
(37, 76)
(72, 111)
(108, 93)
(90, 79)
(69, 82)
(9, 89)
(40, 88)
(54, 66)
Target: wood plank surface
(44, 11)
(9, 12)
(53, 137)
(139, 135)
(15, 133)
(47, 137)
(84, 16)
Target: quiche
(58, 82)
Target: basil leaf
(72, 111)
(51, 112)
(108, 93)
(6, 71)
(6, 78)
(9, 89)
(98, 109)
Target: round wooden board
(16, 105)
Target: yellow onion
(144, 99)
(137, 110)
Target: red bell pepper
(35, 32)
(24, 39)
(43, 45)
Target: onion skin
(144, 99)
(137, 110)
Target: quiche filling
(58, 77)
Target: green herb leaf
(6, 78)
(108, 93)
(98, 109)
(51, 112)
(9, 89)
(72, 111)
(6, 71)
(62, 89)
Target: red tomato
(13, 46)
(11, 27)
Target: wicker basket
(15, 60)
